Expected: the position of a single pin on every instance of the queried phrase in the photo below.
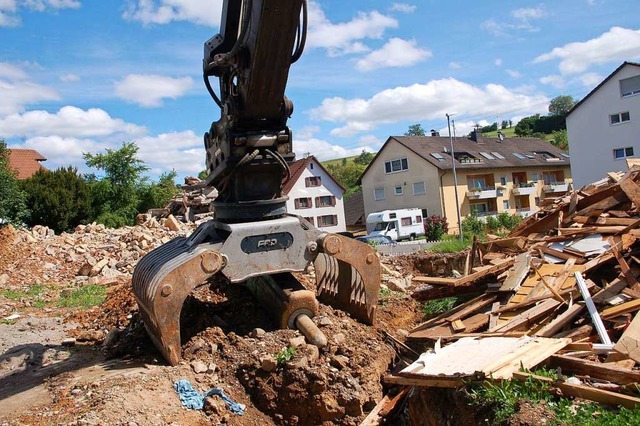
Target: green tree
(203, 175)
(504, 124)
(347, 174)
(415, 130)
(158, 195)
(364, 158)
(560, 139)
(525, 127)
(13, 207)
(561, 105)
(115, 197)
(490, 128)
(59, 199)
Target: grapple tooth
(162, 281)
(348, 276)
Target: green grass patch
(85, 297)
(286, 355)
(338, 161)
(432, 308)
(502, 398)
(34, 291)
(451, 244)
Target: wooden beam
(528, 316)
(560, 321)
(468, 279)
(426, 382)
(470, 309)
(632, 190)
(586, 392)
(596, 370)
(623, 308)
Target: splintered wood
(524, 305)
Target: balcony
(556, 187)
(482, 216)
(525, 212)
(484, 193)
(525, 190)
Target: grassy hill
(337, 161)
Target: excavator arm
(252, 240)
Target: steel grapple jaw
(347, 271)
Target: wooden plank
(442, 316)
(559, 254)
(388, 408)
(528, 316)
(374, 418)
(596, 370)
(586, 392)
(446, 329)
(458, 326)
(632, 190)
(468, 279)
(615, 287)
(629, 342)
(427, 382)
(517, 273)
(577, 334)
(623, 308)
(624, 266)
(560, 321)
(469, 309)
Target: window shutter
(317, 201)
(296, 202)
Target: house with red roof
(315, 195)
(26, 162)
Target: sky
(82, 76)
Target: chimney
(476, 134)
(435, 133)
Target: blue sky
(81, 76)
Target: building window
(325, 201)
(623, 152)
(534, 177)
(312, 181)
(398, 190)
(419, 188)
(303, 203)
(621, 117)
(505, 205)
(406, 221)
(310, 220)
(394, 166)
(503, 180)
(328, 220)
(630, 86)
(418, 219)
(310, 166)
(378, 194)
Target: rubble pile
(561, 289)
(92, 255)
(193, 204)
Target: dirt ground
(110, 372)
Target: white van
(401, 224)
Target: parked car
(376, 239)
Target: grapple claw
(348, 276)
(162, 281)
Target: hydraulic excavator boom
(252, 239)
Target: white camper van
(401, 224)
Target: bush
(508, 221)
(435, 227)
(59, 199)
(471, 225)
(493, 223)
(13, 207)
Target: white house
(604, 127)
(315, 195)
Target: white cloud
(166, 11)
(554, 80)
(455, 65)
(11, 72)
(16, 95)
(618, 44)
(513, 73)
(10, 13)
(403, 7)
(395, 53)
(521, 21)
(182, 151)
(345, 37)
(425, 102)
(68, 122)
(498, 62)
(590, 79)
(67, 78)
(529, 13)
(149, 90)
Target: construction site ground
(66, 365)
